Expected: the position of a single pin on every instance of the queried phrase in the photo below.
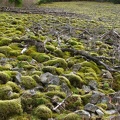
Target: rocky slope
(57, 68)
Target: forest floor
(60, 61)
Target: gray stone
(76, 67)
(95, 98)
(93, 84)
(86, 88)
(90, 107)
(83, 114)
(99, 112)
(105, 99)
(48, 78)
(115, 117)
(111, 112)
(18, 77)
(66, 89)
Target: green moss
(74, 102)
(53, 70)
(24, 58)
(86, 98)
(14, 95)
(107, 91)
(50, 47)
(2, 55)
(116, 83)
(4, 92)
(5, 50)
(5, 41)
(14, 86)
(59, 62)
(75, 80)
(14, 53)
(63, 79)
(53, 88)
(72, 116)
(102, 105)
(4, 77)
(58, 53)
(41, 57)
(9, 108)
(43, 112)
(15, 46)
(91, 65)
(57, 93)
(28, 82)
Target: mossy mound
(43, 112)
(41, 57)
(9, 108)
(5, 91)
(53, 70)
(72, 116)
(59, 62)
(5, 50)
(24, 58)
(5, 41)
(2, 55)
(4, 77)
(91, 65)
(57, 93)
(75, 80)
(14, 86)
(28, 82)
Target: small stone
(18, 77)
(99, 112)
(95, 98)
(90, 107)
(115, 117)
(86, 88)
(93, 84)
(83, 114)
(111, 112)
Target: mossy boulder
(4, 77)
(5, 50)
(91, 65)
(14, 86)
(5, 91)
(41, 57)
(2, 55)
(86, 98)
(53, 70)
(75, 80)
(59, 62)
(24, 58)
(72, 116)
(28, 82)
(43, 112)
(57, 93)
(10, 108)
(5, 41)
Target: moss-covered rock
(24, 58)
(9, 108)
(14, 86)
(28, 82)
(4, 77)
(72, 116)
(75, 80)
(57, 93)
(5, 50)
(5, 91)
(53, 70)
(5, 41)
(59, 62)
(91, 65)
(86, 98)
(43, 112)
(41, 57)
(2, 55)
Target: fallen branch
(88, 56)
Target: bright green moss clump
(72, 116)
(28, 82)
(43, 112)
(4, 92)
(9, 108)
(59, 62)
(5, 50)
(75, 80)
(4, 77)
